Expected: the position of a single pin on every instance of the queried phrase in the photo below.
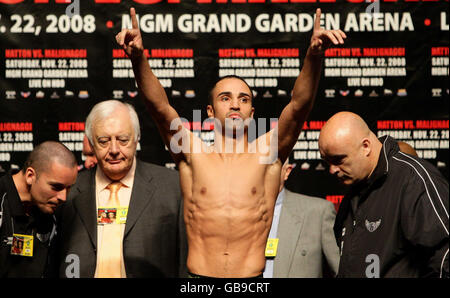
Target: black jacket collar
(389, 148)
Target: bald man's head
(344, 127)
(349, 147)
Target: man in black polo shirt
(394, 221)
(28, 200)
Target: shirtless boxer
(229, 197)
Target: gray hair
(105, 109)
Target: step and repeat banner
(59, 57)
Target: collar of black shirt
(390, 146)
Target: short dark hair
(210, 96)
(43, 155)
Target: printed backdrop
(59, 57)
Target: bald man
(394, 220)
(28, 200)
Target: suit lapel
(85, 206)
(141, 195)
(289, 230)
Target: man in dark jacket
(394, 220)
(28, 200)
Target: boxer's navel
(203, 190)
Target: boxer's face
(114, 144)
(232, 100)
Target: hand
(322, 39)
(130, 39)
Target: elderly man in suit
(146, 237)
(302, 235)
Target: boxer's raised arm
(304, 92)
(165, 116)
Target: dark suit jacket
(154, 243)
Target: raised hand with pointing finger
(321, 39)
(130, 39)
